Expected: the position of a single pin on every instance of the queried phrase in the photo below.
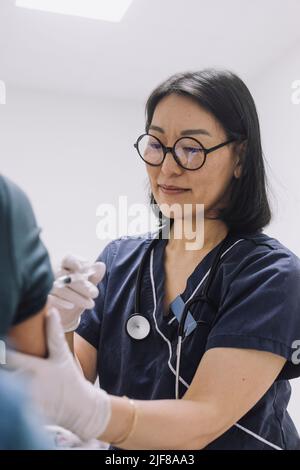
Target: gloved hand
(58, 387)
(73, 298)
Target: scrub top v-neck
(256, 289)
(193, 280)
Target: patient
(25, 272)
(25, 281)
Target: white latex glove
(73, 298)
(58, 387)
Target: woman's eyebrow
(185, 132)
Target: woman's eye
(155, 146)
(192, 149)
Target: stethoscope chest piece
(138, 326)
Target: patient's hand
(29, 336)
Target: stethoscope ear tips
(138, 326)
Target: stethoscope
(138, 326)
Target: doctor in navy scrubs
(201, 145)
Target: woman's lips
(172, 190)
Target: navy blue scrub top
(257, 290)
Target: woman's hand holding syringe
(74, 289)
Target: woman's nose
(170, 166)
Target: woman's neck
(187, 237)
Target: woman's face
(174, 115)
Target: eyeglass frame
(172, 150)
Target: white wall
(70, 154)
(280, 124)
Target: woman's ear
(238, 170)
(240, 154)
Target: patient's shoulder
(13, 202)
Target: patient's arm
(29, 336)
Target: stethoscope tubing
(145, 322)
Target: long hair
(228, 99)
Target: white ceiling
(156, 38)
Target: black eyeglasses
(188, 152)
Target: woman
(202, 146)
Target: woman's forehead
(176, 113)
